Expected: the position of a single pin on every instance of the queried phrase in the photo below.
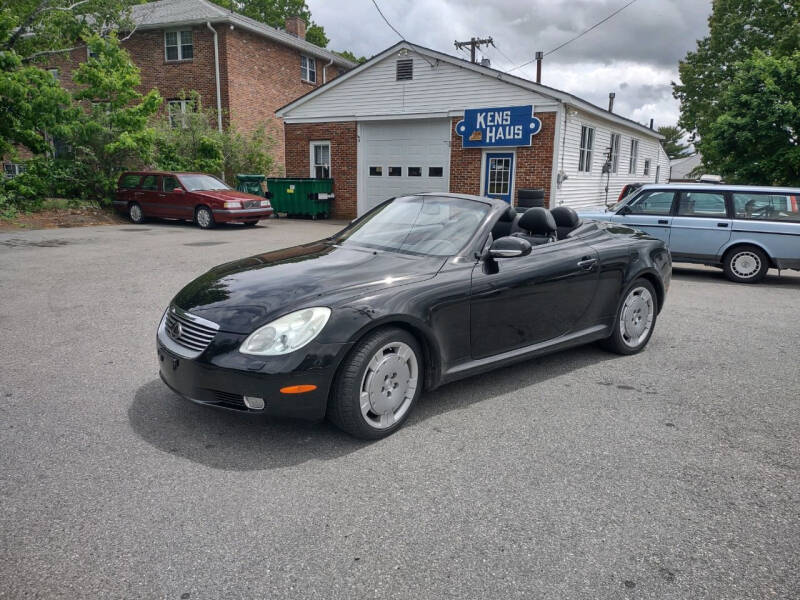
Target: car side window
(150, 182)
(702, 204)
(169, 183)
(651, 203)
(129, 182)
(771, 207)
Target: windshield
(623, 201)
(202, 182)
(423, 225)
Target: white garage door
(404, 157)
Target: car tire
(745, 264)
(135, 213)
(204, 218)
(634, 320)
(384, 369)
(250, 223)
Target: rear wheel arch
(742, 243)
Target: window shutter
(405, 69)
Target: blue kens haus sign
(493, 127)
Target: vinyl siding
(584, 190)
(444, 89)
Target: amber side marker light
(298, 389)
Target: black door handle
(722, 224)
(587, 263)
(663, 222)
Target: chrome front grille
(188, 330)
(251, 204)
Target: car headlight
(288, 333)
(230, 204)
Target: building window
(633, 163)
(405, 69)
(321, 160)
(178, 45)
(11, 170)
(376, 171)
(308, 69)
(395, 171)
(587, 142)
(435, 171)
(615, 143)
(177, 110)
(646, 166)
(415, 171)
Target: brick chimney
(296, 26)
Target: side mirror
(509, 247)
(177, 191)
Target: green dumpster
(250, 184)
(297, 196)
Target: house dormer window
(405, 69)
(308, 69)
(178, 45)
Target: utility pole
(474, 43)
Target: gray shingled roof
(170, 13)
(682, 168)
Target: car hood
(595, 213)
(242, 295)
(226, 195)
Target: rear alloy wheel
(635, 319)
(135, 213)
(377, 385)
(204, 218)
(745, 264)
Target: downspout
(325, 72)
(216, 73)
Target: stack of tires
(528, 198)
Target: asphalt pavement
(673, 474)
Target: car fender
(743, 241)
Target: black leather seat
(566, 220)
(503, 227)
(536, 225)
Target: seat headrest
(538, 221)
(564, 216)
(508, 215)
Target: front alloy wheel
(135, 213)
(377, 385)
(204, 218)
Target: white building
(390, 127)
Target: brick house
(389, 127)
(242, 67)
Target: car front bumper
(221, 376)
(224, 215)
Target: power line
(380, 12)
(580, 35)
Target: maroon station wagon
(195, 197)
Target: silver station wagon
(745, 230)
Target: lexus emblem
(176, 330)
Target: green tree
(756, 136)
(113, 134)
(275, 12)
(352, 57)
(736, 29)
(673, 141)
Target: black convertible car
(420, 291)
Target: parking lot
(674, 473)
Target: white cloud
(635, 54)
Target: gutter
(325, 72)
(216, 74)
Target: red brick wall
(344, 159)
(533, 166)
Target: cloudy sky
(635, 54)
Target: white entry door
(403, 157)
